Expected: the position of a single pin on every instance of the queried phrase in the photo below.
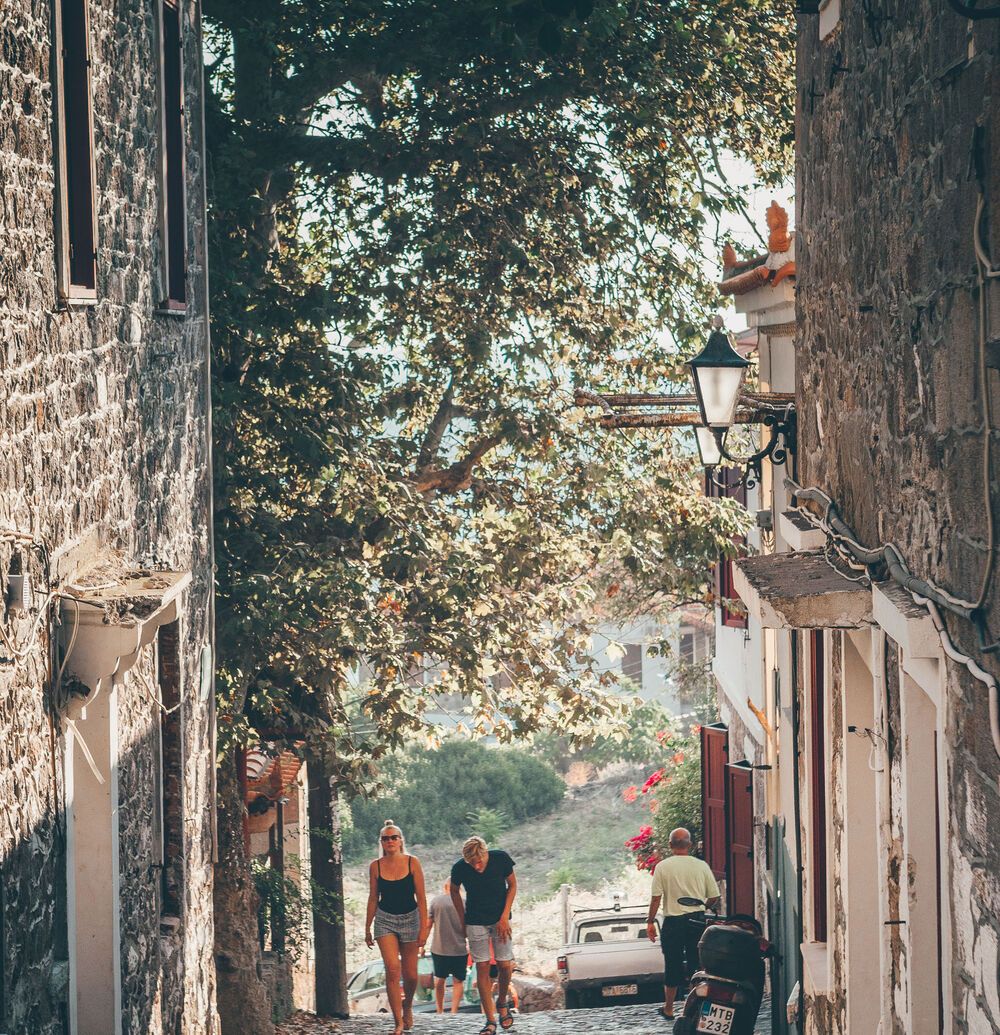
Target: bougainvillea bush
(671, 794)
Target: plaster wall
(103, 452)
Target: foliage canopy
(429, 224)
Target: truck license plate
(622, 990)
(716, 1019)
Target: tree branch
(457, 477)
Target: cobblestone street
(636, 1020)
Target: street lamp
(717, 372)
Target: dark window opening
(80, 244)
(632, 663)
(175, 220)
(817, 744)
(171, 771)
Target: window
(817, 744)
(730, 488)
(76, 224)
(632, 663)
(171, 771)
(687, 648)
(173, 219)
(375, 978)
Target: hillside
(582, 843)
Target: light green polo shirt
(682, 876)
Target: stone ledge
(801, 591)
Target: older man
(490, 886)
(679, 876)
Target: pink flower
(678, 758)
(631, 793)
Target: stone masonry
(104, 459)
(898, 144)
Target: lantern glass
(718, 391)
(717, 372)
(708, 447)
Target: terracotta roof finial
(777, 222)
(729, 259)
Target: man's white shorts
(481, 936)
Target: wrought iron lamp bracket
(781, 425)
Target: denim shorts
(480, 936)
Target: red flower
(678, 758)
(653, 780)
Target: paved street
(636, 1020)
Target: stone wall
(897, 142)
(103, 442)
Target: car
(366, 990)
(610, 959)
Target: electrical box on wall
(19, 593)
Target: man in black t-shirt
(490, 886)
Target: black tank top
(397, 896)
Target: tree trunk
(243, 1000)
(328, 879)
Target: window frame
(818, 789)
(171, 167)
(69, 291)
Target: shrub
(563, 874)
(488, 823)
(431, 792)
(672, 793)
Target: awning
(110, 615)
(801, 591)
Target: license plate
(716, 1019)
(621, 990)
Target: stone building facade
(106, 781)
(898, 161)
(876, 601)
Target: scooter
(725, 995)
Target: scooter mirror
(684, 900)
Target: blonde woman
(397, 907)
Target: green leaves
(430, 224)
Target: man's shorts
(453, 966)
(480, 937)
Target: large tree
(431, 221)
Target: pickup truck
(610, 959)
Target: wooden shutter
(817, 744)
(714, 753)
(739, 837)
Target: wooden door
(739, 836)
(714, 755)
